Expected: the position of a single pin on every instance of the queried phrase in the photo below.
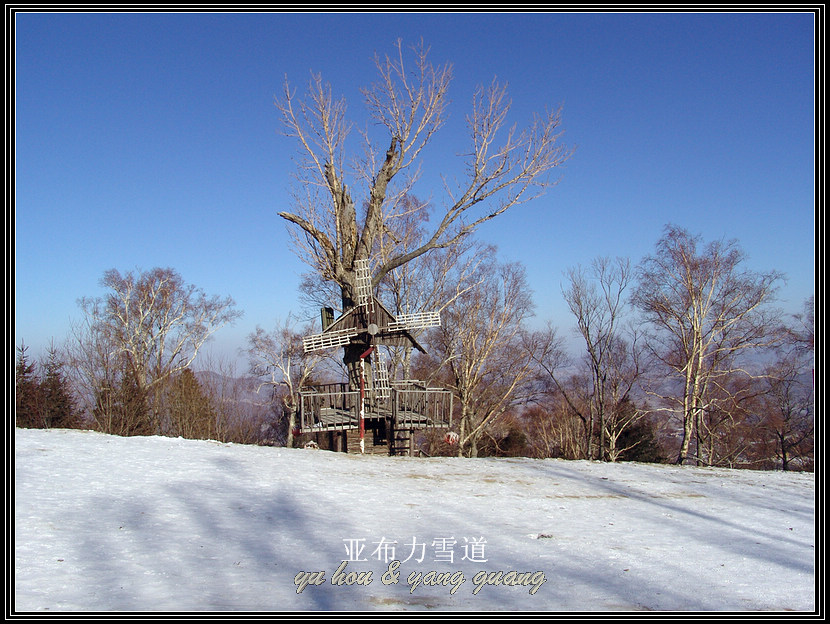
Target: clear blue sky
(147, 140)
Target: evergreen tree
(190, 410)
(641, 443)
(28, 396)
(121, 406)
(58, 407)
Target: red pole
(361, 425)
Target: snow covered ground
(105, 523)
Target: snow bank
(105, 523)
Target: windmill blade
(328, 340)
(381, 378)
(416, 320)
(363, 282)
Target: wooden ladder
(402, 442)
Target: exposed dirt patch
(412, 601)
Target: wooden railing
(411, 405)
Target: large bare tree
(342, 205)
(706, 310)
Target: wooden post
(390, 422)
(390, 433)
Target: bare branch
(506, 167)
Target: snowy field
(106, 523)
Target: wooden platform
(332, 419)
(390, 421)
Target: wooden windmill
(369, 322)
(397, 406)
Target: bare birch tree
(568, 400)
(706, 311)
(788, 421)
(482, 344)
(624, 369)
(152, 323)
(595, 298)
(277, 359)
(341, 206)
(788, 402)
(104, 382)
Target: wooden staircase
(371, 445)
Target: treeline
(218, 407)
(126, 368)
(682, 358)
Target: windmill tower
(392, 410)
